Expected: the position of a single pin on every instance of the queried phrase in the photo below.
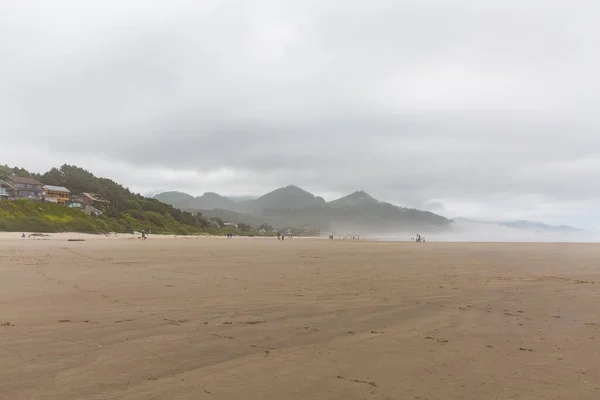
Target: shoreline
(11, 236)
(128, 236)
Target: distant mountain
(292, 206)
(358, 198)
(374, 218)
(523, 225)
(176, 199)
(151, 194)
(240, 199)
(539, 226)
(356, 213)
(211, 201)
(208, 201)
(289, 197)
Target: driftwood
(76, 240)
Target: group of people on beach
(419, 239)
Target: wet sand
(300, 319)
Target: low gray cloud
(467, 108)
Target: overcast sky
(476, 108)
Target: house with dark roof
(20, 187)
(76, 202)
(84, 203)
(6, 190)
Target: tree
(132, 205)
(244, 227)
(218, 221)
(6, 170)
(265, 227)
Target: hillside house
(56, 194)
(90, 203)
(91, 210)
(76, 202)
(84, 203)
(230, 225)
(89, 199)
(19, 187)
(5, 190)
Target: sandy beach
(208, 318)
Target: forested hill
(124, 211)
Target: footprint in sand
(370, 383)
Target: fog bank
(470, 231)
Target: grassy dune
(33, 216)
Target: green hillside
(124, 211)
(31, 216)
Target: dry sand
(299, 319)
